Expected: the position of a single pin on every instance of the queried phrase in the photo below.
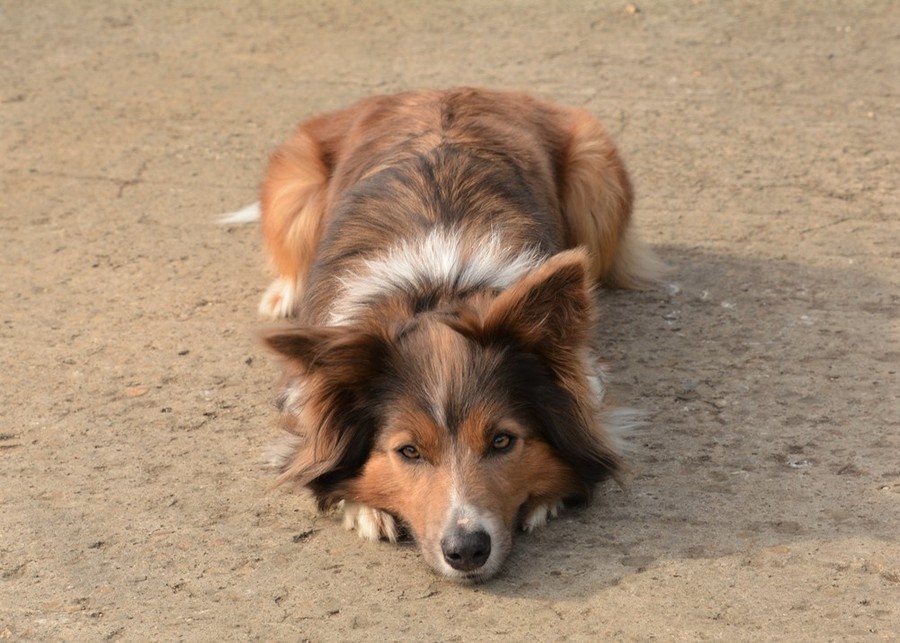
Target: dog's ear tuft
(548, 309)
(342, 354)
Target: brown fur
(448, 369)
(563, 159)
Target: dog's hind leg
(597, 199)
(293, 205)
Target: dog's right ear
(343, 355)
(297, 344)
(332, 377)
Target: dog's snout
(466, 551)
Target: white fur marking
(249, 214)
(281, 450)
(370, 524)
(620, 423)
(294, 395)
(597, 375)
(440, 258)
(278, 300)
(597, 387)
(462, 514)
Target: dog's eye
(502, 442)
(409, 452)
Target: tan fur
(597, 195)
(293, 203)
(533, 474)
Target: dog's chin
(475, 577)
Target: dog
(436, 254)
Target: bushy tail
(635, 266)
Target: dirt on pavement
(764, 142)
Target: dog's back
(485, 164)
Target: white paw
(370, 524)
(540, 514)
(279, 299)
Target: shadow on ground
(760, 378)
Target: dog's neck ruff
(440, 260)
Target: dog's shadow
(749, 371)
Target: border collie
(436, 253)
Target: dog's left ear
(548, 311)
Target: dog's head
(461, 422)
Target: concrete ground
(764, 141)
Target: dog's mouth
(473, 578)
(474, 554)
(492, 566)
(406, 536)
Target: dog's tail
(636, 265)
(250, 214)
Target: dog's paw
(279, 299)
(370, 524)
(538, 515)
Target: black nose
(466, 550)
